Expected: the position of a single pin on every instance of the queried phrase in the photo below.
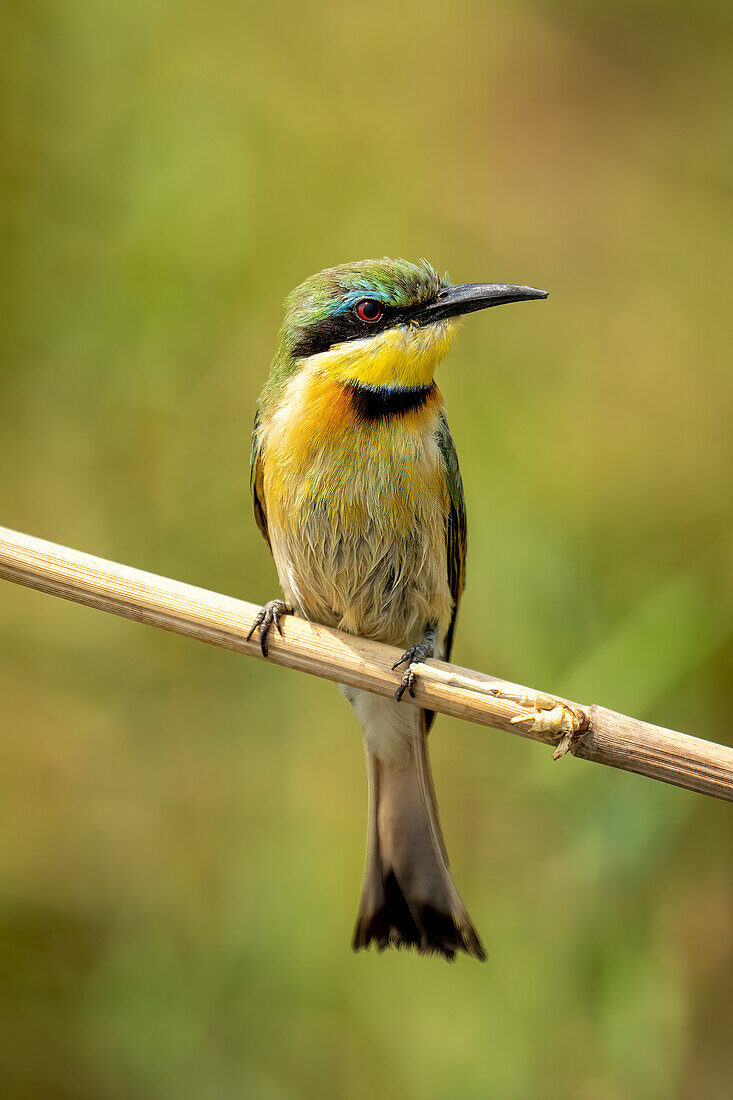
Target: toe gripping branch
(415, 655)
(268, 617)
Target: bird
(357, 491)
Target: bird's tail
(409, 898)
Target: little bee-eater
(359, 497)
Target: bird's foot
(268, 617)
(413, 656)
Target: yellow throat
(402, 356)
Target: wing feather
(455, 525)
(256, 481)
(455, 534)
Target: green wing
(255, 479)
(455, 525)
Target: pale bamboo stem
(591, 733)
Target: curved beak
(470, 297)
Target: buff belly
(371, 580)
(356, 519)
(374, 581)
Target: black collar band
(372, 403)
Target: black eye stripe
(321, 335)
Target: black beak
(469, 297)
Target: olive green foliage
(181, 828)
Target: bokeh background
(181, 830)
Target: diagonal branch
(591, 733)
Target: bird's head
(381, 322)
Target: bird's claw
(412, 656)
(268, 617)
(407, 685)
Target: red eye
(369, 310)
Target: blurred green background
(181, 830)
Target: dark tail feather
(409, 898)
